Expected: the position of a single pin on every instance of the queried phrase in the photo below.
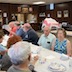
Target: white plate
(55, 67)
(64, 57)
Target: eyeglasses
(17, 24)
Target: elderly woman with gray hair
(20, 55)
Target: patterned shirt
(61, 46)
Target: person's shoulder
(52, 35)
(14, 29)
(32, 31)
(42, 35)
(10, 69)
(21, 30)
(67, 41)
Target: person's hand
(35, 59)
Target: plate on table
(55, 67)
(64, 57)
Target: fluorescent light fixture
(41, 2)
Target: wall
(62, 7)
(59, 7)
(13, 8)
(4, 8)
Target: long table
(50, 57)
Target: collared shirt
(46, 42)
(17, 31)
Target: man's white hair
(19, 52)
(47, 27)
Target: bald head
(27, 26)
(46, 30)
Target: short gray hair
(19, 52)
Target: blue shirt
(31, 36)
(20, 33)
(46, 42)
(2, 48)
(60, 46)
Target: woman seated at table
(61, 44)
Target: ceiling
(31, 1)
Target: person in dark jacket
(30, 34)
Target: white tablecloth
(4, 42)
(50, 56)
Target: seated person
(2, 48)
(28, 34)
(12, 40)
(18, 25)
(20, 55)
(5, 29)
(46, 39)
(5, 61)
(61, 44)
(14, 26)
(20, 32)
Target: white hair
(47, 27)
(19, 52)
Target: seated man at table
(28, 34)
(20, 55)
(46, 39)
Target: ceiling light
(41, 2)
